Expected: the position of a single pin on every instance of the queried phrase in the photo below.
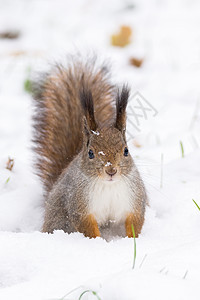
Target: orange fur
(89, 227)
(137, 222)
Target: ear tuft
(121, 104)
(86, 100)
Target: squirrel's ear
(88, 109)
(86, 129)
(121, 103)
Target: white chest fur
(110, 201)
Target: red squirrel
(89, 176)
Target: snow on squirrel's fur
(39, 266)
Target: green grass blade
(28, 86)
(134, 258)
(89, 291)
(7, 180)
(196, 204)
(182, 149)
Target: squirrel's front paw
(89, 227)
(137, 222)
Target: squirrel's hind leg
(54, 218)
(137, 222)
(89, 227)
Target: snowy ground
(38, 266)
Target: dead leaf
(123, 38)
(10, 164)
(136, 61)
(9, 34)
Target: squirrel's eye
(125, 151)
(91, 154)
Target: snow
(101, 153)
(95, 132)
(108, 164)
(34, 265)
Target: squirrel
(89, 176)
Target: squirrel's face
(106, 155)
(105, 152)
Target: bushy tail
(58, 113)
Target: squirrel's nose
(111, 171)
